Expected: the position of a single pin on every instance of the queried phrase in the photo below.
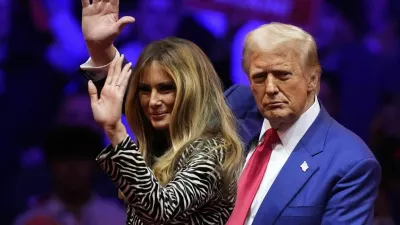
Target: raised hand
(101, 25)
(107, 109)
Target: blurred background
(48, 138)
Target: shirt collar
(291, 137)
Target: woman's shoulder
(209, 143)
(213, 147)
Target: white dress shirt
(280, 153)
(99, 71)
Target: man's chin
(277, 116)
(280, 118)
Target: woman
(184, 167)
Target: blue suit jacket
(341, 184)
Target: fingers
(126, 68)
(114, 72)
(126, 74)
(92, 92)
(123, 22)
(114, 2)
(117, 71)
(85, 3)
(111, 71)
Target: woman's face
(157, 96)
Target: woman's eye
(144, 89)
(167, 87)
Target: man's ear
(314, 78)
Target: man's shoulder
(344, 154)
(240, 100)
(346, 145)
(238, 90)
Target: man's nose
(270, 85)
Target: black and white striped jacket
(194, 196)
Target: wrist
(101, 55)
(116, 133)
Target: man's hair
(275, 35)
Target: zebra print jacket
(194, 196)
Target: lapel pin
(304, 166)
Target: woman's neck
(160, 144)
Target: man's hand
(100, 26)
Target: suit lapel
(289, 181)
(292, 176)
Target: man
(319, 172)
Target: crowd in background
(49, 139)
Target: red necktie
(251, 178)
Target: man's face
(279, 84)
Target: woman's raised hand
(107, 108)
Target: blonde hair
(274, 35)
(200, 110)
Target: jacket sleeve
(353, 198)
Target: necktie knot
(270, 137)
